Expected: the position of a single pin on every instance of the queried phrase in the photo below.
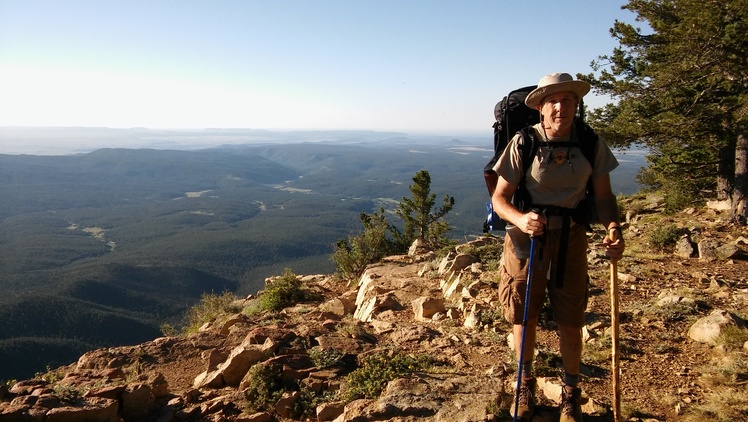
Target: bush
(489, 255)
(352, 255)
(369, 380)
(325, 358)
(281, 292)
(264, 386)
(210, 308)
(664, 238)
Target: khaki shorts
(567, 303)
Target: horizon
(415, 67)
(66, 140)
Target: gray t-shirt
(558, 175)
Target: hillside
(431, 324)
(134, 237)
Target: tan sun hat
(553, 83)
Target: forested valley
(102, 248)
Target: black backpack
(513, 116)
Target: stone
(330, 411)
(285, 405)
(137, 400)
(94, 409)
(708, 250)
(425, 307)
(340, 306)
(684, 248)
(231, 321)
(461, 262)
(707, 329)
(723, 205)
(727, 251)
(419, 247)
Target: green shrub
(264, 386)
(281, 292)
(353, 255)
(51, 376)
(67, 393)
(733, 337)
(664, 238)
(325, 358)
(490, 255)
(168, 330)
(211, 307)
(377, 370)
(487, 317)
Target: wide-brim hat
(553, 83)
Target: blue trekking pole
(524, 326)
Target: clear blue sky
(407, 65)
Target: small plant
(265, 386)
(210, 308)
(168, 330)
(547, 364)
(733, 337)
(488, 317)
(66, 393)
(305, 405)
(664, 238)
(281, 292)
(51, 376)
(352, 255)
(724, 402)
(490, 255)
(369, 380)
(672, 312)
(325, 358)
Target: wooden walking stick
(615, 330)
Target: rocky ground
(446, 309)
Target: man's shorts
(568, 303)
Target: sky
(385, 65)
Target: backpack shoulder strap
(528, 148)
(587, 141)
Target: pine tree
(681, 88)
(419, 221)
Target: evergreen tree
(380, 238)
(419, 221)
(681, 88)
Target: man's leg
(529, 341)
(571, 348)
(526, 408)
(569, 304)
(571, 354)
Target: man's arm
(530, 223)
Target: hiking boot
(571, 404)
(526, 407)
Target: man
(556, 182)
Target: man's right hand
(532, 223)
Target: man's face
(557, 111)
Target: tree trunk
(726, 171)
(740, 190)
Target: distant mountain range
(132, 237)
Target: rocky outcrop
(204, 376)
(413, 304)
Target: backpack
(514, 116)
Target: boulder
(707, 329)
(425, 307)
